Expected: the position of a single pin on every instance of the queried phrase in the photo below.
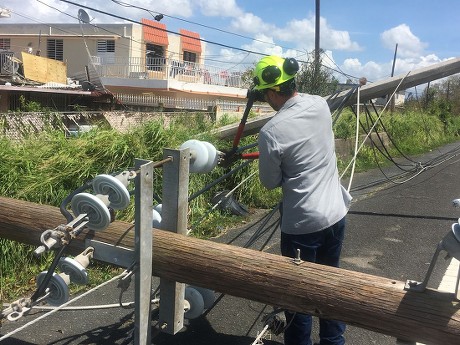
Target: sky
(358, 37)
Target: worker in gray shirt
(297, 153)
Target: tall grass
(46, 167)
(412, 131)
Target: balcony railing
(163, 68)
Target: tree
(314, 78)
(448, 90)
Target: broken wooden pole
(369, 91)
(366, 301)
(403, 81)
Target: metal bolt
(297, 259)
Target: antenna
(5, 13)
(83, 16)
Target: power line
(168, 31)
(124, 4)
(104, 29)
(161, 29)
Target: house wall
(75, 52)
(128, 41)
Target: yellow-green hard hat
(274, 70)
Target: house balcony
(169, 74)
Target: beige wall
(174, 49)
(75, 52)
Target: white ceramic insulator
(194, 298)
(156, 219)
(96, 209)
(213, 157)
(58, 288)
(115, 187)
(198, 155)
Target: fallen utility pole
(381, 88)
(371, 302)
(403, 81)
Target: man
(297, 153)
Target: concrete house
(137, 62)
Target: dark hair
(288, 87)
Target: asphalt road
(392, 231)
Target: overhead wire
(161, 29)
(125, 4)
(373, 126)
(358, 106)
(168, 31)
(30, 323)
(173, 32)
(358, 103)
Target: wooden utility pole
(317, 31)
(370, 302)
(367, 92)
(392, 104)
(317, 44)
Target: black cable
(124, 4)
(165, 30)
(63, 207)
(43, 285)
(382, 147)
(389, 137)
(223, 177)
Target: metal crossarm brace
(174, 219)
(143, 251)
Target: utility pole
(317, 23)
(317, 34)
(392, 101)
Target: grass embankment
(46, 167)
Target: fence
(198, 104)
(8, 63)
(163, 68)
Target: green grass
(46, 167)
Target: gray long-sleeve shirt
(297, 152)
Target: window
(106, 51)
(189, 56)
(154, 56)
(55, 49)
(5, 44)
(106, 46)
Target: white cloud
(300, 33)
(336, 39)
(409, 45)
(219, 8)
(42, 12)
(252, 24)
(409, 56)
(374, 71)
(371, 70)
(260, 45)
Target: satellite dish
(83, 16)
(5, 13)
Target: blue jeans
(322, 247)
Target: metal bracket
(115, 255)
(451, 244)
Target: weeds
(47, 166)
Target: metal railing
(8, 63)
(198, 104)
(163, 68)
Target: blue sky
(359, 36)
